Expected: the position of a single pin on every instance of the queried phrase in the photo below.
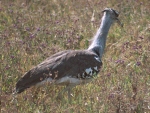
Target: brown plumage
(66, 63)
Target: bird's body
(71, 67)
(67, 67)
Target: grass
(32, 30)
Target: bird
(71, 67)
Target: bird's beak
(119, 22)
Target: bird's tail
(22, 84)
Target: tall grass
(32, 30)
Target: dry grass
(32, 30)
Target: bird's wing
(71, 63)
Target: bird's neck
(99, 42)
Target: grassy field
(32, 30)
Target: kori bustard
(71, 67)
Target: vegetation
(32, 30)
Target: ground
(32, 30)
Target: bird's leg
(69, 94)
(68, 88)
(60, 93)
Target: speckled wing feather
(65, 63)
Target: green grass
(32, 30)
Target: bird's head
(112, 14)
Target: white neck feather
(99, 42)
